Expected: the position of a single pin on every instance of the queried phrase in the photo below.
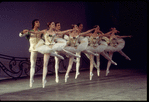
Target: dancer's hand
(25, 31)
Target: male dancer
(33, 40)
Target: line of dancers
(72, 42)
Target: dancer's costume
(115, 45)
(97, 45)
(49, 45)
(75, 46)
(33, 40)
(62, 41)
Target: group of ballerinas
(71, 42)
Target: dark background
(129, 17)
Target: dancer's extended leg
(71, 54)
(33, 57)
(108, 58)
(90, 52)
(109, 63)
(45, 66)
(69, 68)
(123, 54)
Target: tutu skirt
(61, 43)
(71, 49)
(83, 45)
(42, 48)
(100, 48)
(120, 46)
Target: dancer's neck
(35, 28)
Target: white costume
(115, 45)
(62, 50)
(49, 46)
(75, 46)
(97, 45)
(33, 40)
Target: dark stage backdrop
(129, 17)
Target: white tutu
(42, 48)
(120, 46)
(92, 49)
(83, 45)
(58, 46)
(100, 48)
(71, 49)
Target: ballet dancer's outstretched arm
(123, 36)
(23, 33)
(65, 31)
(39, 32)
(84, 33)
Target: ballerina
(83, 40)
(116, 44)
(96, 46)
(75, 47)
(50, 46)
(59, 39)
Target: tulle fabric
(120, 46)
(42, 48)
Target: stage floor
(120, 84)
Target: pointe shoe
(91, 74)
(98, 72)
(77, 75)
(57, 79)
(66, 77)
(107, 72)
(31, 83)
(113, 62)
(128, 58)
(43, 83)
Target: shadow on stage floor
(120, 84)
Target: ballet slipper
(66, 77)
(31, 82)
(113, 62)
(91, 75)
(77, 75)
(43, 83)
(98, 72)
(57, 79)
(107, 72)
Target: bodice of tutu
(113, 42)
(73, 41)
(103, 38)
(49, 39)
(93, 41)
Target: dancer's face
(37, 24)
(80, 26)
(52, 25)
(58, 26)
(75, 27)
